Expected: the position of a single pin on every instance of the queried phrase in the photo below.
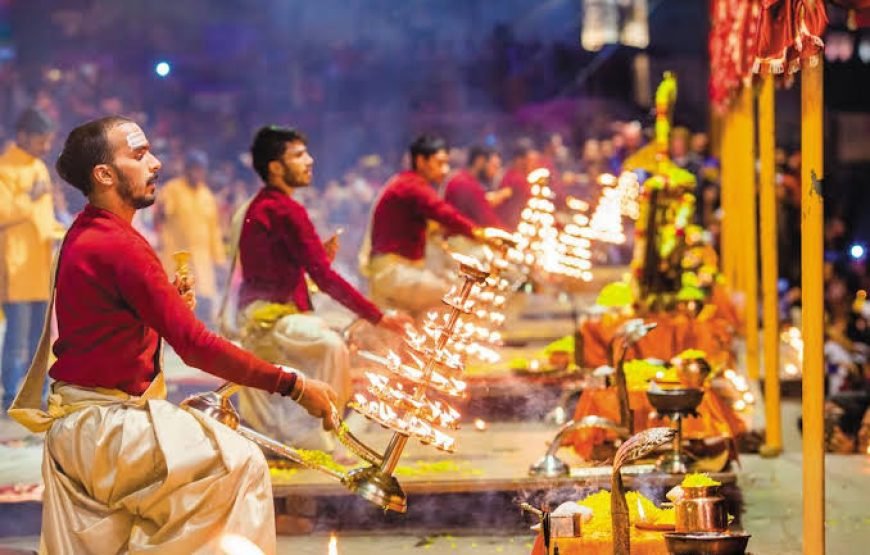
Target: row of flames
(430, 362)
(477, 334)
(565, 250)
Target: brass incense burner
(399, 400)
(676, 404)
(550, 466)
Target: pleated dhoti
(141, 475)
(404, 284)
(305, 342)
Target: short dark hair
(269, 144)
(426, 146)
(522, 147)
(34, 121)
(478, 151)
(85, 147)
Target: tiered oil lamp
(618, 199)
(403, 404)
(561, 253)
(399, 400)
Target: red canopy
(789, 35)
(752, 36)
(732, 48)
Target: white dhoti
(139, 475)
(306, 342)
(404, 284)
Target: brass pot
(701, 509)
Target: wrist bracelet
(300, 376)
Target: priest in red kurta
(124, 470)
(524, 159)
(395, 262)
(467, 189)
(278, 247)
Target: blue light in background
(162, 69)
(857, 251)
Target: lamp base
(673, 462)
(376, 487)
(550, 466)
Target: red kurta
(399, 218)
(465, 193)
(509, 211)
(114, 301)
(278, 246)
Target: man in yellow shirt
(27, 232)
(188, 220)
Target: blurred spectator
(788, 215)
(626, 142)
(188, 220)
(27, 233)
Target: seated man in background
(524, 158)
(468, 192)
(394, 258)
(278, 248)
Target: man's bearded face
(135, 167)
(297, 165)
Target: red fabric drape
(752, 36)
(789, 35)
(732, 48)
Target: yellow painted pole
(769, 269)
(727, 193)
(748, 226)
(812, 310)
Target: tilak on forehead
(135, 136)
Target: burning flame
(394, 362)
(332, 548)
(233, 544)
(538, 175)
(432, 410)
(384, 414)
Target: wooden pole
(727, 194)
(748, 227)
(812, 311)
(769, 269)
